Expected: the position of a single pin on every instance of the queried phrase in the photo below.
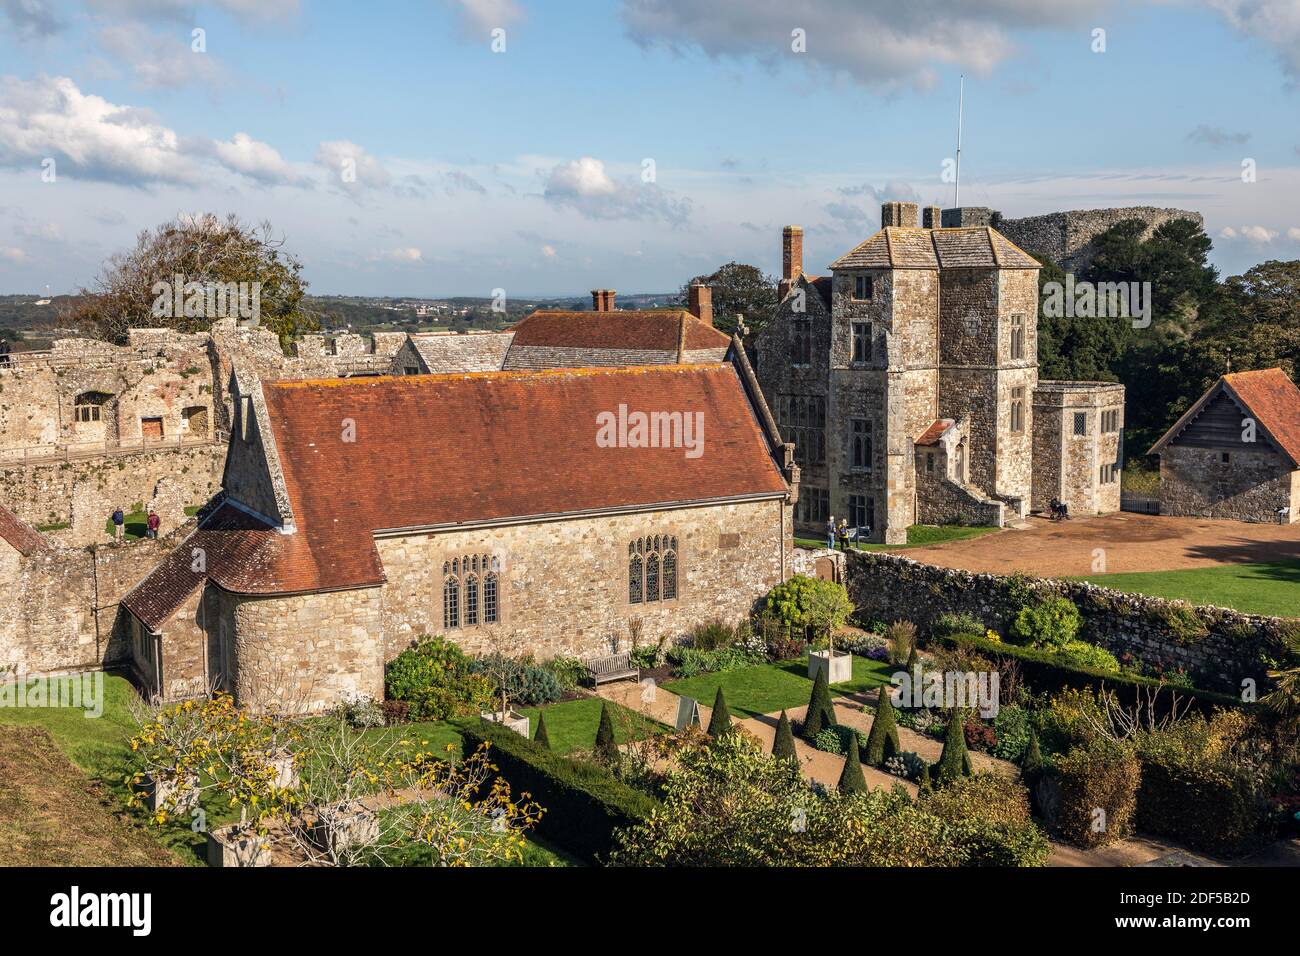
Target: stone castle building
(357, 515)
(1236, 452)
(907, 380)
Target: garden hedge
(1207, 808)
(1045, 673)
(584, 803)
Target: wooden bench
(611, 668)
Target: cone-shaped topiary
(541, 737)
(821, 712)
(911, 659)
(954, 762)
(923, 781)
(783, 745)
(1031, 764)
(882, 742)
(720, 721)
(851, 778)
(606, 749)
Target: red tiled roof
(650, 329)
(23, 537)
(441, 450)
(931, 435)
(1268, 395)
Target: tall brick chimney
(791, 258)
(701, 302)
(602, 300)
(898, 214)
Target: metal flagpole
(961, 102)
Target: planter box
(344, 827)
(229, 846)
(515, 721)
(838, 668)
(158, 793)
(286, 774)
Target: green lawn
(767, 688)
(571, 725)
(1268, 588)
(918, 536)
(137, 523)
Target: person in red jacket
(151, 525)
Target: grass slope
(1267, 588)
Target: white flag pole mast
(961, 102)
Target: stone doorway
(194, 422)
(151, 429)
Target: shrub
(606, 748)
(829, 740)
(525, 682)
(1087, 656)
(954, 762)
(712, 635)
(864, 645)
(882, 741)
(395, 711)
(1011, 727)
(991, 820)
(568, 671)
(1180, 620)
(435, 681)
(689, 661)
(362, 711)
(720, 719)
(801, 603)
(851, 778)
(821, 711)
(979, 735)
(541, 737)
(1052, 622)
(584, 804)
(901, 636)
(783, 743)
(909, 765)
(952, 623)
(1098, 783)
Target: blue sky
(526, 169)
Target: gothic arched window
(652, 576)
(490, 604)
(670, 571)
(652, 569)
(471, 598)
(450, 603)
(634, 576)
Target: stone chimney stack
(932, 217)
(791, 258)
(898, 214)
(602, 300)
(701, 302)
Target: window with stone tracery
(471, 591)
(652, 569)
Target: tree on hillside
(738, 289)
(205, 250)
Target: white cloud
(1214, 136)
(183, 10)
(350, 167)
(13, 254)
(1274, 22)
(584, 185)
(32, 18)
(1293, 233)
(401, 255)
(485, 15)
(159, 60)
(257, 160)
(88, 136)
(1259, 235)
(877, 42)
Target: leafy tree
(882, 741)
(606, 748)
(720, 719)
(851, 777)
(202, 249)
(821, 711)
(542, 737)
(1050, 623)
(805, 604)
(954, 762)
(783, 745)
(738, 289)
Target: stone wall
(1250, 486)
(1066, 236)
(1236, 646)
(564, 584)
(61, 605)
(83, 492)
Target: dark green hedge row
(1209, 809)
(584, 803)
(1045, 673)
